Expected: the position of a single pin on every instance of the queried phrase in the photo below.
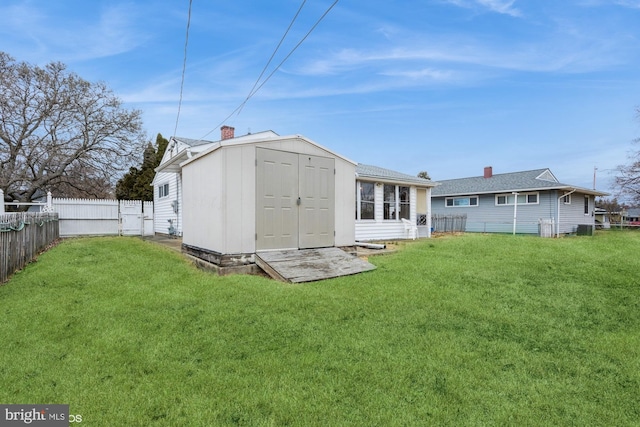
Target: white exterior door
(295, 200)
(131, 217)
(277, 194)
(317, 198)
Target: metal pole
(515, 211)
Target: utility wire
(256, 89)
(184, 67)
(272, 55)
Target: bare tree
(61, 133)
(628, 178)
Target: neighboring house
(518, 202)
(632, 216)
(385, 197)
(603, 218)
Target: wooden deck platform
(308, 265)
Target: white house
(390, 203)
(231, 198)
(167, 183)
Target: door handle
(299, 201)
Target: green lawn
(465, 330)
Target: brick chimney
(227, 132)
(488, 172)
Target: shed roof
(190, 147)
(263, 137)
(388, 175)
(533, 180)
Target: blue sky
(446, 86)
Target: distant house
(633, 216)
(521, 202)
(385, 197)
(603, 218)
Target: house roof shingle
(533, 180)
(382, 174)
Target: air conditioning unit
(585, 230)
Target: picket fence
(95, 217)
(22, 237)
(103, 217)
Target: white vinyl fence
(97, 217)
(82, 217)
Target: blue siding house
(528, 202)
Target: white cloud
(633, 4)
(499, 6)
(42, 35)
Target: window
(567, 199)
(163, 190)
(405, 202)
(586, 205)
(365, 200)
(461, 201)
(389, 201)
(523, 199)
(396, 202)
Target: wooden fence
(22, 236)
(448, 223)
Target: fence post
(49, 202)
(1, 201)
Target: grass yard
(466, 330)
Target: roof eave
(396, 181)
(524, 190)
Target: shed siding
(345, 194)
(203, 204)
(220, 202)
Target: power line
(184, 67)
(256, 89)
(272, 55)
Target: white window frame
(359, 201)
(587, 205)
(469, 205)
(396, 208)
(510, 198)
(163, 190)
(566, 199)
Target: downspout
(428, 201)
(558, 215)
(515, 210)
(178, 203)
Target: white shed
(243, 195)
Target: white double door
(295, 206)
